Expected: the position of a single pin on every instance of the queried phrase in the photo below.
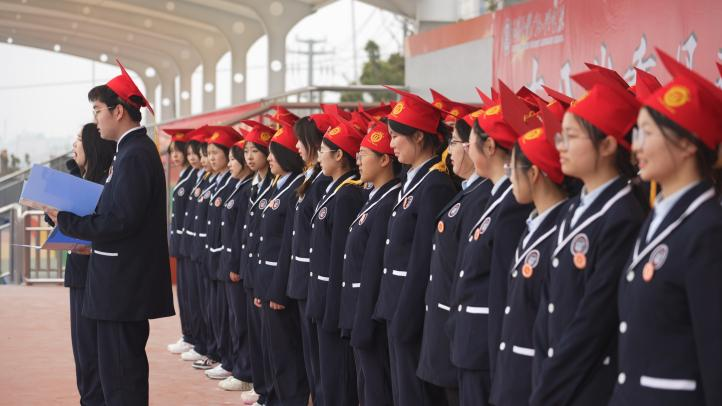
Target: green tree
(377, 71)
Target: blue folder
(50, 188)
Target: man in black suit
(129, 278)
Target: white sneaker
(233, 384)
(249, 397)
(191, 355)
(218, 372)
(205, 363)
(180, 347)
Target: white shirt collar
(411, 173)
(662, 206)
(468, 182)
(117, 145)
(587, 198)
(498, 184)
(282, 180)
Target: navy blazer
(299, 267)
(482, 271)
(329, 229)
(575, 345)
(512, 374)
(407, 254)
(178, 202)
(363, 260)
(453, 225)
(276, 227)
(670, 309)
(260, 196)
(214, 245)
(234, 211)
(199, 183)
(129, 270)
(198, 251)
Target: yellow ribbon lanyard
(441, 165)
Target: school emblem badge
(275, 203)
(407, 202)
(218, 202)
(656, 260)
(322, 213)
(484, 225)
(229, 205)
(454, 210)
(362, 218)
(531, 261)
(579, 248)
(181, 192)
(262, 204)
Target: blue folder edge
(59, 241)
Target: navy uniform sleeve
(703, 282)
(362, 332)
(540, 330)
(130, 197)
(408, 320)
(593, 326)
(277, 289)
(345, 210)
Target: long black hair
(705, 157)
(310, 136)
(289, 161)
(350, 162)
(99, 153)
(237, 154)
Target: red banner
(545, 41)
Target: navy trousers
(122, 362)
(261, 385)
(196, 297)
(219, 323)
(309, 339)
(183, 285)
(474, 387)
(338, 372)
(373, 371)
(238, 327)
(84, 339)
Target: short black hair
(237, 153)
(106, 95)
(350, 161)
(289, 160)
(195, 147)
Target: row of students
(515, 289)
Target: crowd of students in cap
(531, 251)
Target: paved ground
(37, 361)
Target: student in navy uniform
(453, 224)
(256, 153)
(417, 137)
(329, 229)
(177, 153)
(234, 209)
(219, 144)
(281, 332)
(129, 278)
(484, 263)
(536, 177)
(195, 305)
(309, 131)
(670, 294)
(92, 157)
(199, 255)
(575, 345)
(363, 261)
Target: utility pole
(353, 41)
(310, 52)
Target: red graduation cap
(517, 113)
(240, 143)
(224, 135)
(322, 121)
(415, 112)
(690, 101)
(560, 102)
(285, 136)
(609, 73)
(378, 138)
(345, 135)
(538, 144)
(178, 134)
(492, 122)
(377, 113)
(531, 98)
(282, 114)
(199, 134)
(335, 110)
(607, 105)
(646, 84)
(125, 88)
(488, 101)
(359, 121)
(472, 117)
(453, 109)
(260, 134)
(243, 131)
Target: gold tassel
(349, 181)
(275, 180)
(441, 165)
(652, 193)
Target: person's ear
(118, 112)
(385, 160)
(608, 146)
(687, 147)
(419, 137)
(534, 174)
(490, 146)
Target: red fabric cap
(199, 134)
(690, 103)
(378, 139)
(223, 135)
(260, 134)
(606, 105)
(415, 112)
(646, 84)
(538, 145)
(178, 134)
(530, 97)
(359, 122)
(609, 73)
(454, 110)
(517, 112)
(472, 117)
(377, 112)
(322, 121)
(345, 136)
(240, 144)
(486, 100)
(125, 88)
(282, 114)
(492, 122)
(286, 137)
